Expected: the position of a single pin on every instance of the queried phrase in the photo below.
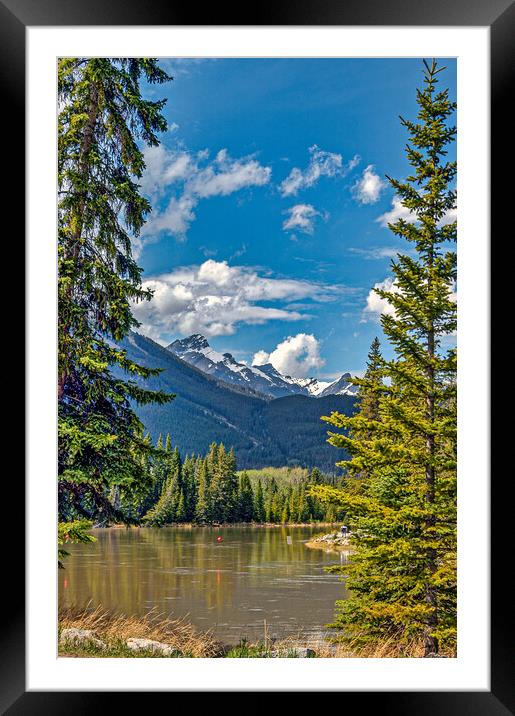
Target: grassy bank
(110, 633)
(113, 630)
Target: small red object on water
(218, 539)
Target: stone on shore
(295, 653)
(81, 637)
(334, 538)
(157, 647)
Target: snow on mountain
(312, 385)
(196, 351)
(265, 379)
(342, 386)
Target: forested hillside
(285, 431)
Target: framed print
(248, 431)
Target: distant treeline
(209, 490)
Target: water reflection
(232, 586)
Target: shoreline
(223, 525)
(332, 542)
(97, 633)
(328, 547)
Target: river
(231, 586)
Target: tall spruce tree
(203, 507)
(402, 577)
(102, 117)
(259, 503)
(171, 506)
(245, 511)
(371, 386)
(370, 391)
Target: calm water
(230, 586)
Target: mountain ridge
(265, 379)
(264, 431)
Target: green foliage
(208, 490)
(402, 441)
(102, 450)
(72, 532)
(259, 503)
(246, 499)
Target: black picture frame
(499, 15)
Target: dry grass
(116, 628)
(391, 648)
(330, 648)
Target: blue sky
(270, 203)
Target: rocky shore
(332, 542)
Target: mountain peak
(194, 342)
(264, 379)
(196, 339)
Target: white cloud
(165, 167)
(297, 356)
(214, 298)
(399, 211)
(175, 219)
(321, 163)
(225, 176)
(378, 306)
(377, 252)
(260, 358)
(194, 177)
(450, 217)
(368, 188)
(301, 217)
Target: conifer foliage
(402, 576)
(103, 120)
(208, 490)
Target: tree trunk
(74, 245)
(430, 641)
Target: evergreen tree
(370, 388)
(203, 508)
(285, 512)
(259, 503)
(403, 575)
(293, 503)
(189, 489)
(315, 477)
(370, 391)
(245, 499)
(302, 510)
(165, 511)
(180, 512)
(231, 487)
(175, 481)
(101, 119)
(161, 465)
(270, 500)
(224, 484)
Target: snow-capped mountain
(342, 386)
(264, 379)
